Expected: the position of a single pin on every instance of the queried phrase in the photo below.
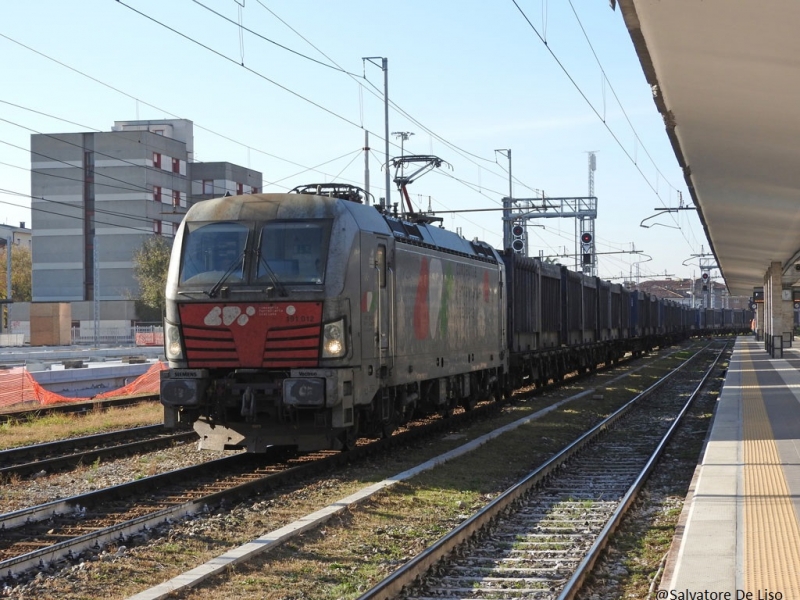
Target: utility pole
(7, 306)
(366, 165)
(403, 136)
(587, 261)
(507, 202)
(385, 68)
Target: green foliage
(20, 274)
(150, 265)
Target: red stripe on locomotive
(274, 334)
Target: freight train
(310, 319)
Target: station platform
(739, 534)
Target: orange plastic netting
(17, 385)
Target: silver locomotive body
(309, 321)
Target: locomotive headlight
(333, 345)
(172, 341)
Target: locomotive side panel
(448, 314)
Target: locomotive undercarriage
(254, 409)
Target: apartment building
(97, 196)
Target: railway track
(541, 537)
(66, 454)
(55, 534)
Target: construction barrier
(18, 386)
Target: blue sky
(473, 76)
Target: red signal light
(586, 238)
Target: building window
(157, 227)
(176, 198)
(157, 193)
(239, 189)
(176, 165)
(255, 190)
(157, 160)
(208, 186)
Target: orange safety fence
(17, 385)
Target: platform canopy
(726, 78)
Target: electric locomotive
(310, 319)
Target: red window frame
(157, 160)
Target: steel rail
(25, 460)
(393, 585)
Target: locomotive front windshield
(213, 251)
(293, 252)
(280, 252)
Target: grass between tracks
(54, 427)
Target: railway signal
(518, 238)
(586, 247)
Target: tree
(21, 270)
(150, 265)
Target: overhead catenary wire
(593, 108)
(153, 106)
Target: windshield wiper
(272, 277)
(215, 290)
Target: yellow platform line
(772, 534)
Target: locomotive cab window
(293, 251)
(212, 251)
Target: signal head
(586, 237)
(517, 230)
